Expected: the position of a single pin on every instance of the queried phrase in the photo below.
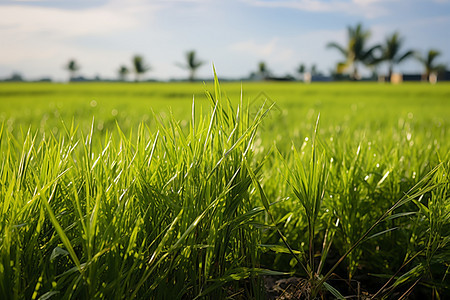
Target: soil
(286, 288)
(298, 288)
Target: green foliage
(72, 66)
(429, 64)
(140, 66)
(356, 50)
(192, 64)
(391, 51)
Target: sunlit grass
(108, 193)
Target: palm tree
(72, 66)
(192, 64)
(372, 62)
(355, 52)
(140, 67)
(123, 72)
(301, 71)
(263, 71)
(391, 51)
(429, 64)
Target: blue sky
(39, 37)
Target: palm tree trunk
(355, 71)
(391, 67)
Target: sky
(38, 38)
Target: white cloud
(67, 23)
(366, 8)
(32, 35)
(41, 39)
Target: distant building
(412, 77)
(445, 76)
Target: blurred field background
(365, 107)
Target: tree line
(355, 52)
(140, 67)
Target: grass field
(122, 191)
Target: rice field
(199, 191)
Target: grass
(108, 193)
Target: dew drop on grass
(337, 223)
(288, 219)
